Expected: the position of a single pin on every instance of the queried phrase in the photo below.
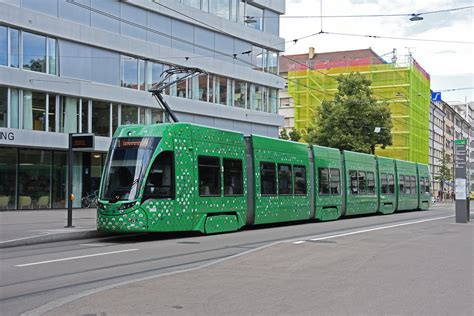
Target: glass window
(8, 158)
(391, 184)
(69, 117)
(335, 181)
(156, 71)
(105, 66)
(14, 108)
(221, 8)
(323, 181)
(253, 17)
(221, 90)
(115, 117)
(271, 22)
(299, 173)
(258, 58)
(267, 178)
(233, 177)
(106, 15)
(284, 179)
(159, 29)
(71, 11)
(85, 116)
(224, 47)
(75, 61)
(354, 182)
(3, 45)
(272, 66)
(34, 110)
(251, 98)
(362, 182)
(183, 35)
(401, 184)
(14, 48)
(181, 88)
(156, 116)
(52, 112)
(131, 16)
(52, 56)
(240, 91)
(34, 179)
(209, 176)
(370, 183)
(129, 114)
(141, 74)
(129, 72)
(101, 118)
(59, 193)
(413, 184)
(258, 104)
(383, 183)
(34, 52)
(199, 88)
(242, 51)
(273, 101)
(141, 116)
(193, 3)
(160, 182)
(3, 107)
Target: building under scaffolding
(404, 86)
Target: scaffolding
(404, 87)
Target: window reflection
(3, 45)
(129, 72)
(253, 17)
(100, 118)
(34, 52)
(14, 48)
(221, 8)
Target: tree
(295, 135)
(284, 134)
(445, 174)
(350, 121)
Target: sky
(450, 65)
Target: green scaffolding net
(404, 87)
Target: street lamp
(416, 17)
(250, 19)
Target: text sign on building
(82, 142)
(435, 96)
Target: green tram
(184, 177)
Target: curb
(53, 237)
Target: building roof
(330, 60)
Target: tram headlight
(124, 206)
(101, 205)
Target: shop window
(160, 183)
(323, 181)
(335, 181)
(267, 178)
(3, 107)
(370, 183)
(233, 177)
(8, 157)
(59, 180)
(34, 180)
(299, 179)
(209, 176)
(354, 182)
(391, 183)
(284, 179)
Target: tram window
(267, 178)
(391, 184)
(233, 179)
(354, 182)
(284, 179)
(362, 183)
(160, 181)
(413, 184)
(335, 181)
(323, 177)
(427, 185)
(299, 180)
(209, 176)
(370, 183)
(401, 184)
(383, 183)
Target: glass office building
(85, 66)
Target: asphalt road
(32, 276)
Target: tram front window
(125, 168)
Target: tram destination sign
(82, 142)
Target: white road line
(73, 258)
(373, 229)
(93, 245)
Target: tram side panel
(219, 167)
(424, 192)
(327, 183)
(387, 190)
(361, 187)
(407, 185)
(281, 180)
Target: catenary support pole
(69, 182)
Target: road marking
(73, 258)
(93, 245)
(371, 229)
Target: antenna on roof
(157, 89)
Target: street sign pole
(460, 175)
(69, 182)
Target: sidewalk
(19, 228)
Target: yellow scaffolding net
(405, 89)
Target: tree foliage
(445, 174)
(284, 134)
(295, 135)
(349, 122)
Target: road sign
(435, 96)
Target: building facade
(84, 66)
(437, 145)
